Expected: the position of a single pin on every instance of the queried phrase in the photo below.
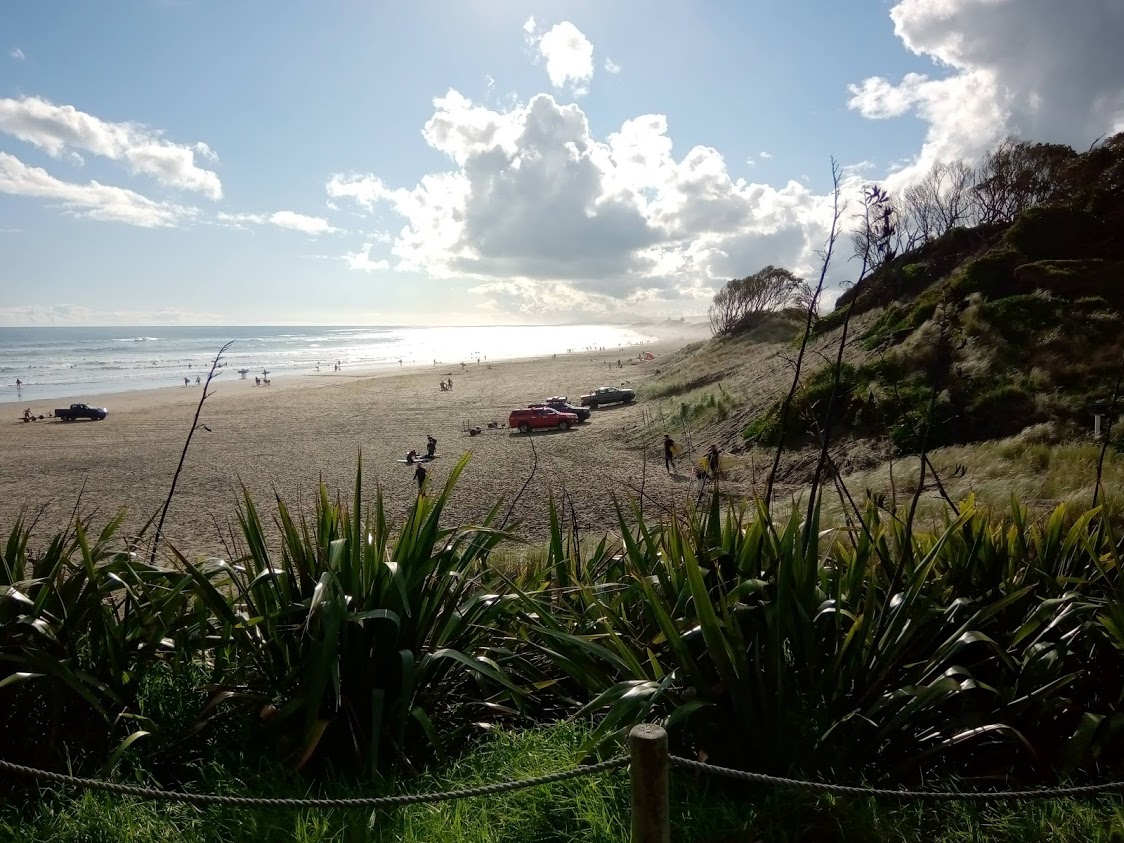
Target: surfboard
(422, 458)
(725, 463)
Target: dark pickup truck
(562, 405)
(81, 411)
(608, 395)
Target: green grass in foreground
(588, 809)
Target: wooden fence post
(648, 769)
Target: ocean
(71, 364)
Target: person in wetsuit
(668, 452)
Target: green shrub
(1075, 279)
(827, 323)
(765, 429)
(775, 645)
(1018, 319)
(991, 274)
(1056, 232)
(1000, 411)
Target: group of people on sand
(708, 470)
(413, 458)
(447, 385)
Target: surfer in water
(668, 452)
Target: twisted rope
(351, 802)
(935, 795)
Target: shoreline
(282, 379)
(145, 397)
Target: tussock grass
(1038, 474)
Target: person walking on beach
(712, 462)
(668, 452)
(198, 380)
(419, 475)
(430, 447)
(700, 483)
(450, 384)
(187, 381)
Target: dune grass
(1038, 474)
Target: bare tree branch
(183, 456)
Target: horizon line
(351, 325)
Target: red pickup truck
(540, 418)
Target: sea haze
(71, 363)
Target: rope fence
(890, 793)
(312, 802)
(649, 764)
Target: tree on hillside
(1017, 175)
(740, 299)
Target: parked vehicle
(563, 405)
(540, 418)
(608, 395)
(81, 411)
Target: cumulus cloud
(62, 129)
(765, 155)
(301, 222)
(611, 66)
(282, 219)
(1034, 68)
(17, 54)
(568, 54)
(92, 199)
(362, 261)
(547, 217)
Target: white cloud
(17, 54)
(301, 222)
(1034, 68)
(93, 199)
(59, 129)
(289, 220)
(548, 218)
(611, 66)
(361, 260)
(765, 155)
(365, 191)
(568, 54)
(239, 220)
(74, 314)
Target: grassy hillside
(974, 336)
(986, 331)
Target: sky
(491, 161)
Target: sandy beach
(288, 436)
